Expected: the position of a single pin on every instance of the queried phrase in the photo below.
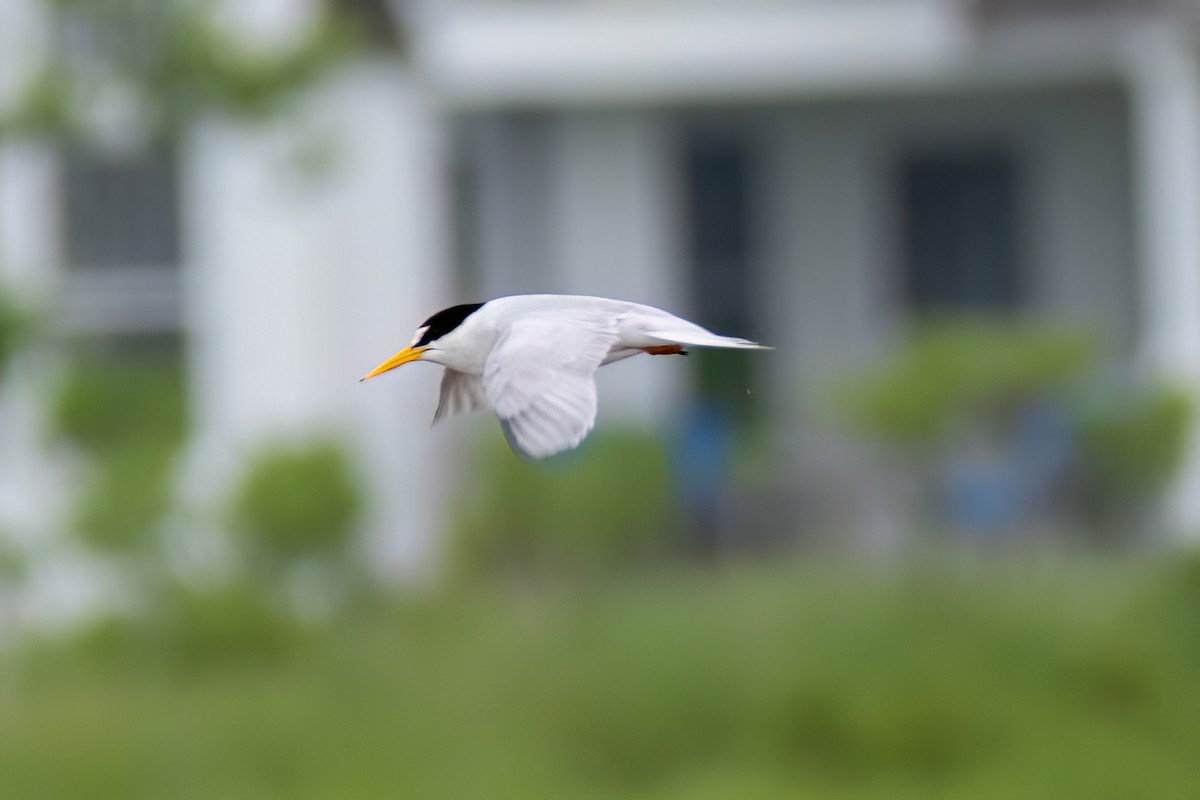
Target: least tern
(532, 359)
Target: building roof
(992, 11)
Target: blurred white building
(809, 173)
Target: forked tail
(699, 339)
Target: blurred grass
(754, 682)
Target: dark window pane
(121, 213)
(718, 213)
(960, 223)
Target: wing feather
(460, 394)
(540, 378)
(703, 338)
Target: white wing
(460, 394)
(540, 378)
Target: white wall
(28, 260)
(30, 497)
(509, 236)
(28, 171)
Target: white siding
(1165, 78)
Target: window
(121, 243)
(960, 224)
(718, 213)
(719, 231)
(120, 212)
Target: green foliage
(608, 503)
(44, 107)
(955, 371)
(968, 381)
(197, 65)
(14, 566)
(1134, 448)
(1078, 682)
(124, 499)
(181, 62)
(16, 326)
(109, 403)
(297, 500)
(129, 419)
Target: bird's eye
(420, 334)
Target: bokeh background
(938, 542)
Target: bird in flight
(533, 359)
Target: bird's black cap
(445, 321)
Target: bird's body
(532, 359)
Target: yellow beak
(403, 357)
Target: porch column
(29, 257)
(315, 248)
(1164, 77)
(300, 282)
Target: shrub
(1008, 395)
(13, 564)
(125, 497)
(296, 501)
(108, 403)
(1131, 449)
(954, 371)
(129, 418)
(607, 504)
(16, 325)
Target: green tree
(178, 61)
